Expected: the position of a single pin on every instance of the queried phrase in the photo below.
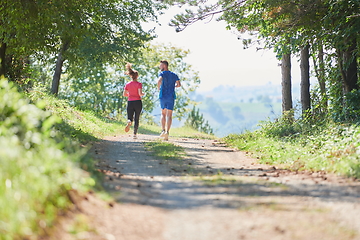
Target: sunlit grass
(330, 150)
(165, 150)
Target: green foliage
(348, 107)
(38, 167)
(94, 32)
(287, 126)
(197, 121)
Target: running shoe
(135, 136)
(162, 134)
(166, 136)
(127, 128)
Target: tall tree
(305, 79)
(2, 59)
(286, 82)
(58, 68)
(319, 67)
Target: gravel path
(215, 193)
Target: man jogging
(167, 83)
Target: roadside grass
(39, 166)
(165, 150)
(83, 126)
(172, 155)
(333, 148)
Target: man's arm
(178, 83)
(159, 82)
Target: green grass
(332, 149)
(165, 150)
(84, 126)
(39, 165)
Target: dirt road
(215, 193)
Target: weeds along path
(214, 193)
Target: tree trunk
(348, 67)
(58, 69)
(2, 60)
(321, 79)
(286, 82)
(321, 74)
(305, 79)
(350, 61)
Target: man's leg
(163, 117)
(169, 120)
(163, 121)
(168, 123)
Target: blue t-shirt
(167, 88)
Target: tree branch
(191, 20)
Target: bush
(330, 147)
(288, 127)
(37, 169)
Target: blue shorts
(167, 103)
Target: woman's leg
(138, 109)
(130, 114)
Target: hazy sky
(219, 57)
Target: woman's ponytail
(131, 72)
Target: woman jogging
(133, 91)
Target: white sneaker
(166, 136)
(162, 134)
(127, 128)
(135, 136)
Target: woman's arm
(141, 92)
(126, 93)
